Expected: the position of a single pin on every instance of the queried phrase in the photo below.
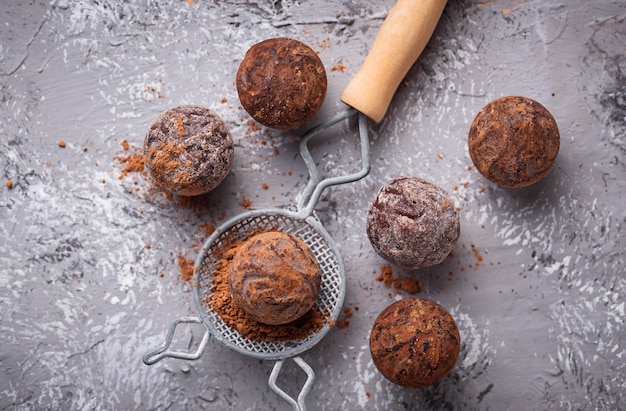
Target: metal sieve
(300, 222)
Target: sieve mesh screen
(329, 300)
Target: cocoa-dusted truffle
(412, 223)
(281, 83)
(274, 278)
(414, 342)
(514, 141)
(188, 150)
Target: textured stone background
(89, 258)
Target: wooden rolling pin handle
(401, 39)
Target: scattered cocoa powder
(186, 267)
(207, 228)
(345, 321)
(386, 275)
(406, 284)
(235, 318)
(477, 255)
(253, 127)
(326, 43)
(340, 67)
(132, 163)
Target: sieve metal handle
(164, 351)
(299, 403)
(311, 193)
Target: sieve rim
(296, 346)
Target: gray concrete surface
(89, 273)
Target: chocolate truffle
(281, 83)
(514, 141)
(274, 278)
(188, 150)
(414, 342)
(412, 223)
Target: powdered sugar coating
(412, 223)
(189, 150)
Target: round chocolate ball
(514, 141)
(188, 150)
(414, 342)
(281, 83)
(274, 278)
(412, 223)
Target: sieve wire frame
(308, 228)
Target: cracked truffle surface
(514, 141)
(188, 150)
(281, 83)
(412, 223)
(414, 342)
(274, 278)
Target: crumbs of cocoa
(132, 163)
(345, 321)
(186, 267)
(406, 284)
